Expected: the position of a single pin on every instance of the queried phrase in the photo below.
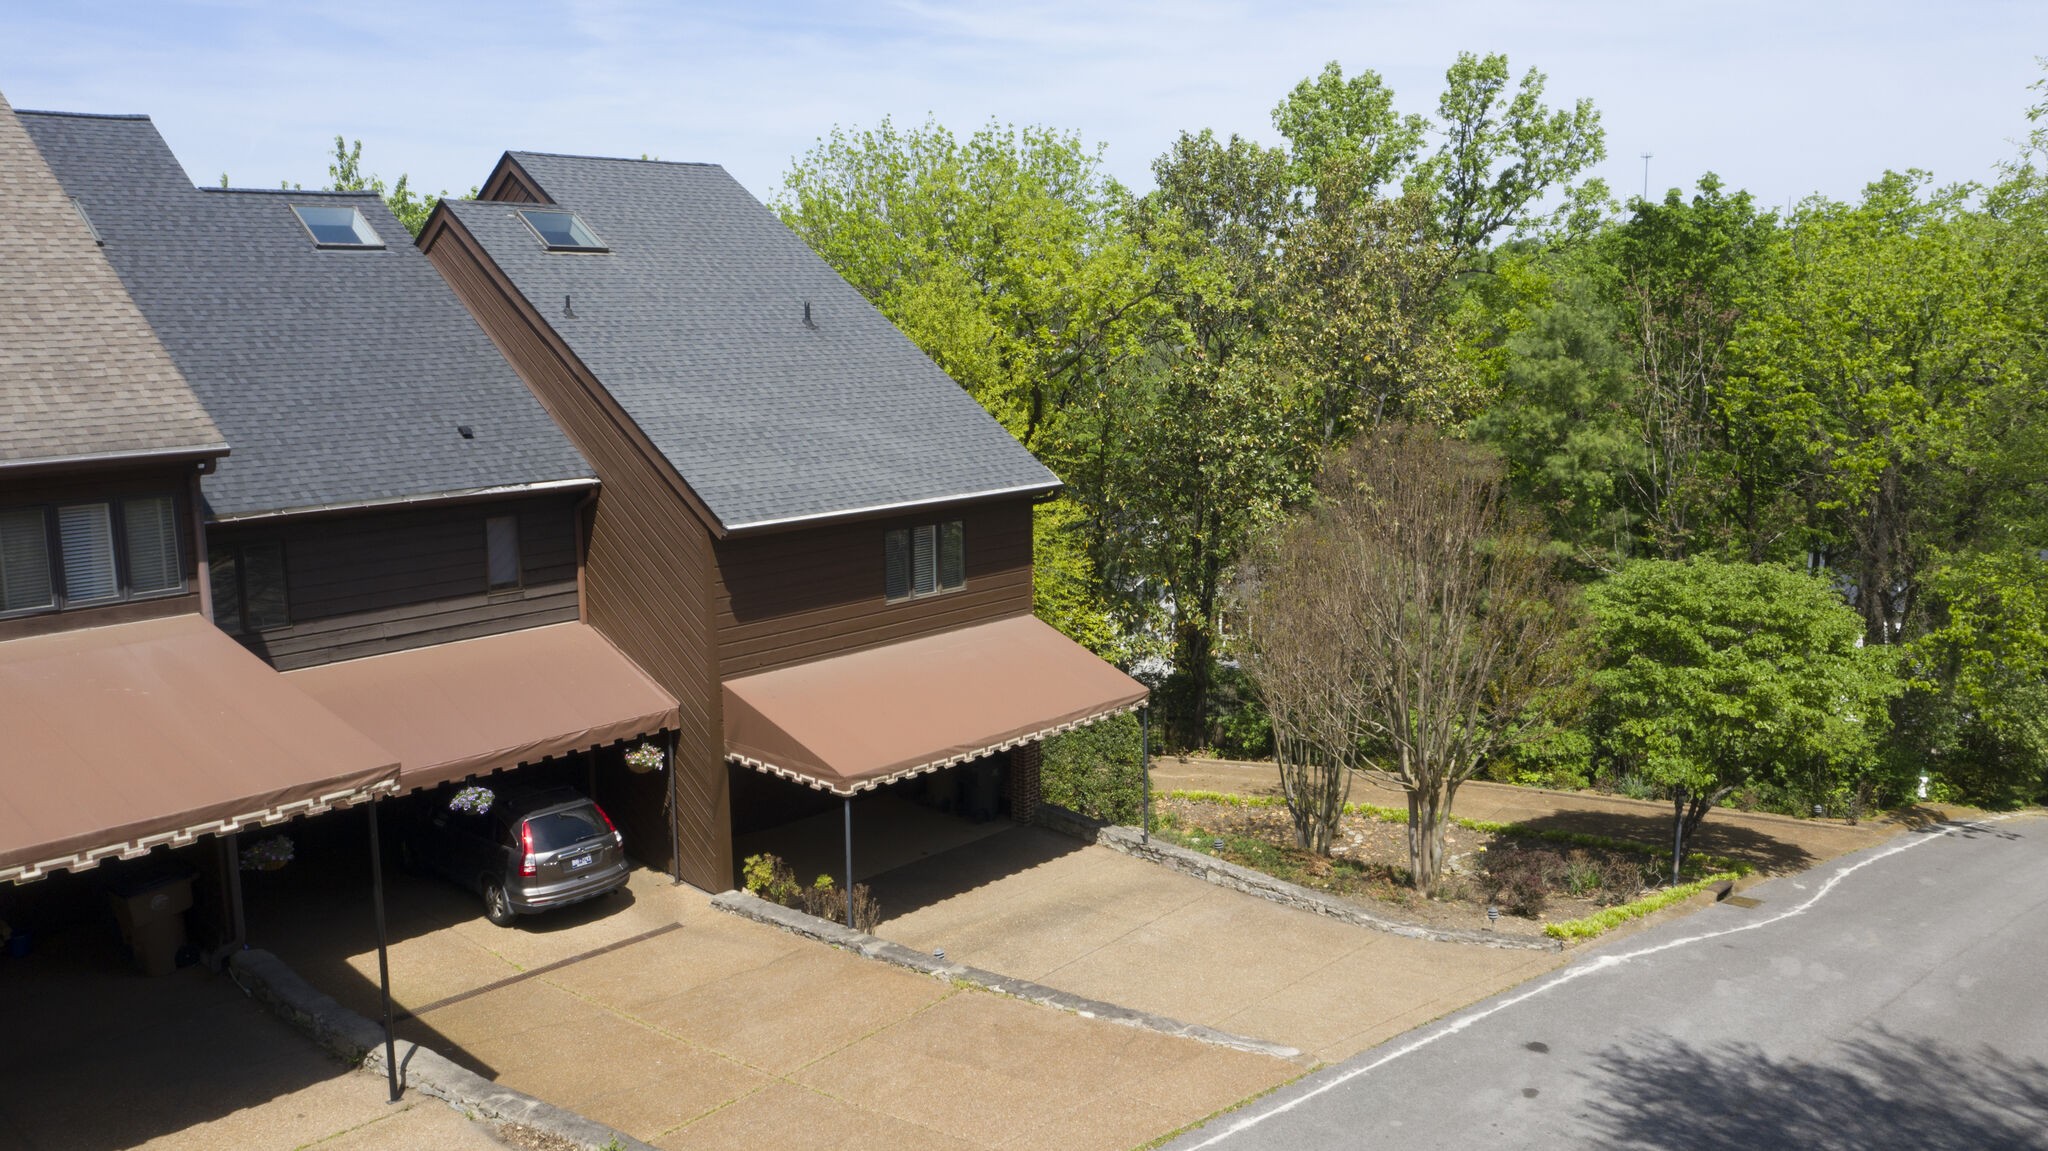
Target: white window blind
(150, 526)
(85, 533)
(24, 560)
(502, 541)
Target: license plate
(579, 861)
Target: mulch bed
(1368, 865)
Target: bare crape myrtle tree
(1407, 625)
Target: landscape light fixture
(1492, 916)
(1216, 844)
(939, 953)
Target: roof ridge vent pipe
(808, 323)
(568, 309)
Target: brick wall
(1025, 791)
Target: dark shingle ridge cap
(515, 153)
(288, 192)
(82, 115)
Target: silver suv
(526, 851)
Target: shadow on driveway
(967, 868)
(1880, 1090)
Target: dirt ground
(1773, 844)
(1368, 864)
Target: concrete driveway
(1036, 905)
(690, 1028)
(97, 1057)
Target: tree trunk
(1426, 811)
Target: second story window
(248, 587)
(924, 560)
(25, 583)
(501, 543)
(82, 554)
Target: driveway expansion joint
(359, 1041)
(749, 906)
(1223, 873)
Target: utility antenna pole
(1646, 175)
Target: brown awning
(479, 705)
(114, 740)
(858, 721)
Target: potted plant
(643, 759)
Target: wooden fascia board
(511, 174)
(445, 227)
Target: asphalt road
(1895, 998)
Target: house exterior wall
(103, 484)
(648, 568)
(800, 595)
(364, 584)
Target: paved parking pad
(689, 1028)
(99, 1058)
(1036, 905)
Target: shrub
(1561, 758)
(1095, 770)
(1520, 879)
(770, 878)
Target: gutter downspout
(202, 563)
(583, 506)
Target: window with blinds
(149, 526)
(25, 583)
(82, 554)
(85, 537)
(501, 540)
(923, 560)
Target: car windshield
(558, 829)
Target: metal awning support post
(849, 863)
(238, 921)
(383, 953)
(1145, 768)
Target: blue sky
(1781, 98)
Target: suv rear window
(559, 829)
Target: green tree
(1981, 708)
(1882, 346)
(1715, 675)
(345, 174)
(1008, 259)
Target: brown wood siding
(109, 484)
(648, 564)
(510, 182)
(801, 595)
(368, 583)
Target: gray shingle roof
(81, 374)
(338, 376)
(694, 321)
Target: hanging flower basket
(268, 854)
(643, 759)
(476, 799)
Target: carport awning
(474, 706)
(855, 722)
(114, 740)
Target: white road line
(1572, 974)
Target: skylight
(337, 227)
(561, 231)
